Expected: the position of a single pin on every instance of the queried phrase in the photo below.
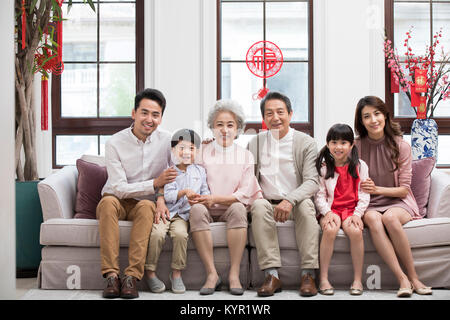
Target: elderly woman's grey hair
(231, 106)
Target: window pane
(292, 80)
(239, 84)
(287, 27)
(443, 148)
(79, 33)
(117, 32)
(407, 15)
(242, 26)
(79, 90)
(103, 140)
(117, 89)
(402, 106)
(71, 148)
(441, 18)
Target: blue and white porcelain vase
(424, 139)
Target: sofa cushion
(84, 233)
(421, 233)
(421, 181)
(91, 179)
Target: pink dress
(230, 171)
(377, 156)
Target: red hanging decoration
(264, 126)
(420, 76)
(24, 25)
(49, 61)
(415, 97)
(395, 87)
(264, 59)
(422, 108)
(44, 103)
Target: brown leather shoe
(112, 289)
(270, 286)
(129, 290)
(308, 286)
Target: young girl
(341, 202)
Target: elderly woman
(233, 186)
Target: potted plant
(38, 50)
(425, 84)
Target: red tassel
(395, 87)
(420, 76)
(60, 36)
(415, 97)
(24, 25)
(422, 108)
(44, 103)
(264, 127)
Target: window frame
(406, 123)
(99, 125)
(306, 127)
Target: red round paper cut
(264, 59)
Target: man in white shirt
(137, 162)
(287, 175)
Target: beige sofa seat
(429, 239)
(71, 253)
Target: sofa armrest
(439, 200)
(57, 193)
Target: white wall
(180, 60)
(7, 189)
(348, 59)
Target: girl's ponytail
(325, 156)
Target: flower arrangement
(424, 83)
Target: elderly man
(287, 175)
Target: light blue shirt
(195, 179)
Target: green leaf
(33, 5)
(91, 4)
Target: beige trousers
(266, 238)
(235, 217)
(177, 229)
(109, 211)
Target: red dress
(345, 193)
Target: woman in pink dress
(392, 203)
(233, 186)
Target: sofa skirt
(80, 268)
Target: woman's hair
(391, 128)
(338, 132)
(230, 106)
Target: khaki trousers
(177, 229)
(109, 211)
(266, 237)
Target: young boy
(189, 183)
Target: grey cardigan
(304, 149)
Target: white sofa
(71, 253)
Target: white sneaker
(155, 285)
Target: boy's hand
(190, 194)
(207, 200)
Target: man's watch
(159, 195)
